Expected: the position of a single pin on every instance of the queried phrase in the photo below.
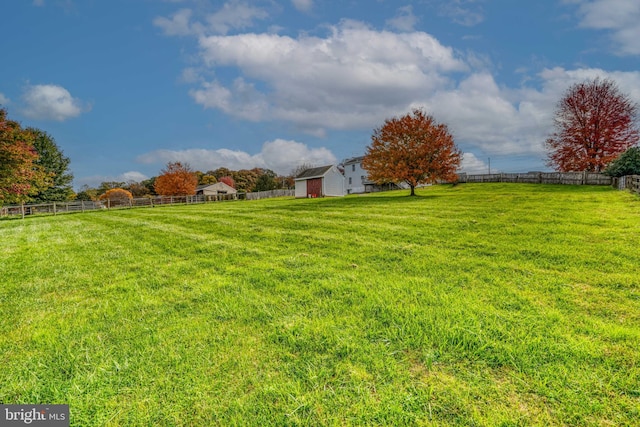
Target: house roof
(314, 172)
(353, 160)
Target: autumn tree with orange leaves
(413, 149)
(117, 196)
(177, 179)
(594, 124)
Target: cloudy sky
(125, 86)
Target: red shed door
(314, 187)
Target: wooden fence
(55, 208)
(571, 178)
(629, 182)
(269, 194)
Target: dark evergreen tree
(56, 166)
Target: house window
(362, 178)
(353, 168)
(349, 180)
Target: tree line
(179, 179)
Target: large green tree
(56, 166)
(266, 181)
(20, 175)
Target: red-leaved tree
(414, 149)
(594, 124)
(228, 180)
(177, 179)
(20, 176)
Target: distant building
(217, 189)
(355, 178)
(320, 182)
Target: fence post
(108, 204)
(22, 208)
(82, 204)
(54, 208)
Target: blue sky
(125, 86)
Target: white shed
(320, 182)
(215, 189)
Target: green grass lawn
(479, 305)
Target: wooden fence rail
(55, 208)
(570, 178)
(629, 182)
(635, 183)
(269, 194)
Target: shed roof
(314, 172)
(216, 186)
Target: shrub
(628, 163)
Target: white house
(320, 182)
(356, 181)
(355, 177)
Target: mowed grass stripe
(477, 304)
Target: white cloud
(38, 3)
(242, 100)
(95, 180)
(51, 102)
(133, 176)
(472, 165)
(233, 15)
(351, 78)
(282, 156)
(279, 155)
(3, 99)
(492, 118)
(463, 12)
(621, 17)
(303, 5)
(178, 25)
(190, 75)
(355, 77)
(404, 20)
